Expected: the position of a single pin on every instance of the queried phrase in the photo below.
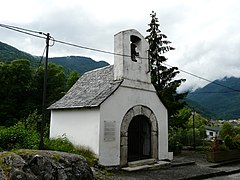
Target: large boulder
(43, 165)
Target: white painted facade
(212, 134)
(116, 107)
(80, 126)
(100, 128)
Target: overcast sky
(205, 33)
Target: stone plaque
(109, 130)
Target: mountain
(77, 63)
(9, 53)
(212, 101)
(194, 106)
(222, 101)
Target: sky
(205, 33)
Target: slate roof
(90, 90)
(213, 128)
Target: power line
(29, 32)
(24, 31)
(186, 72)
(91, 49)
(211, 92)
(199, 77)
(19, 28)
(40, 61)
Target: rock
(43, 165)
(2, 175)
(18, 175)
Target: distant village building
(115, 110)
(212, 132)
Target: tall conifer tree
(163, 78)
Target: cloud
(204, 33)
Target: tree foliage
(15, 80)
(163, 78)
(56, 83)
(183, 116)
(22, 89)
(18, 136)
(73, 77)
(183, 134)
(227, 129)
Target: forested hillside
(21, 81)
(76, 63)
(212, 100)
(221, 101)
(9, 53)
(194, 106)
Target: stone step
(156, 165)
(141, 162)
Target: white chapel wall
(80, 126)
(114, 109)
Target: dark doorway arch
(139, 138)
(133, 113)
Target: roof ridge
(98, 69)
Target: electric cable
(199, 77)
(29, 32)
(40, 62)
(19, 28)
(91, 49)
(209, 92)
(21, 31)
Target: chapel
(115, 110)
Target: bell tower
(131, 57)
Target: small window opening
(134, 53)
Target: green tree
(56, 85)
(163, 78)
(199, 121)
(182, 117)
(22, 90)
(227, 129)
(73, 77)
(15, 80)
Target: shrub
(227, 129)
(17, 136)
(204, 148)
(64, 145)
(232, 143)
(60, 144)
(87, 153)
(174, 140)
(216, 146)
(228, 142)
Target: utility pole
(41, 146)
(194, 138)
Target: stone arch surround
(135, 111)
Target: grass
(64, 145)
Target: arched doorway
(139, 138)
(130, 121)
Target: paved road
(179, 173)
(176, 173)
(200, 170)
(229, 177)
